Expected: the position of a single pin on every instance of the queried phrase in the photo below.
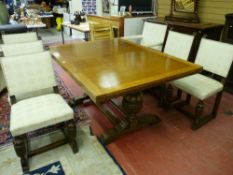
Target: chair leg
(198, 115)
(216, 104)
(179, 93)
(70, 132)
(21, 149)
(168, 98)
(188, 99)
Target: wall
(209, 10)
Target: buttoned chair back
(100, 31)
(22, 48)
(19, 38)
(216, 58)
(27, 74)
(179, 44)
(153, 35)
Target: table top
(82, 27)
(110, 68)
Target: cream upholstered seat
(152, 36)
(22, 48)
(45, 109)
(199, 86)
(36, 112)
(19, 38)
(216, 58)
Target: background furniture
(117, 23)
(100, 31)
(216, 58)
(228, 38)
(36, 112)
(9, 29)
(82, 27)
(184, 10)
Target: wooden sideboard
(208, 30)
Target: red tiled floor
(170, 147)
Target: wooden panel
(209, 10)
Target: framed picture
(105, 6)
(122, 9)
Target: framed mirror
(184, 10)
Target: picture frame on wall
(105, 6)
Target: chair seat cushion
(199, 86)
(38, 112)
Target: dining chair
(178, 45)
(216, 59)
(19, 37)
(30, 73)
(100, 31)
(153, 35)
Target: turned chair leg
(70, 132)
(21, 149)
(198, 114)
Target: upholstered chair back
(22, 48)
(215, 57)
(153, 33)
(19, 38)
(178, 44)
(28, 73)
